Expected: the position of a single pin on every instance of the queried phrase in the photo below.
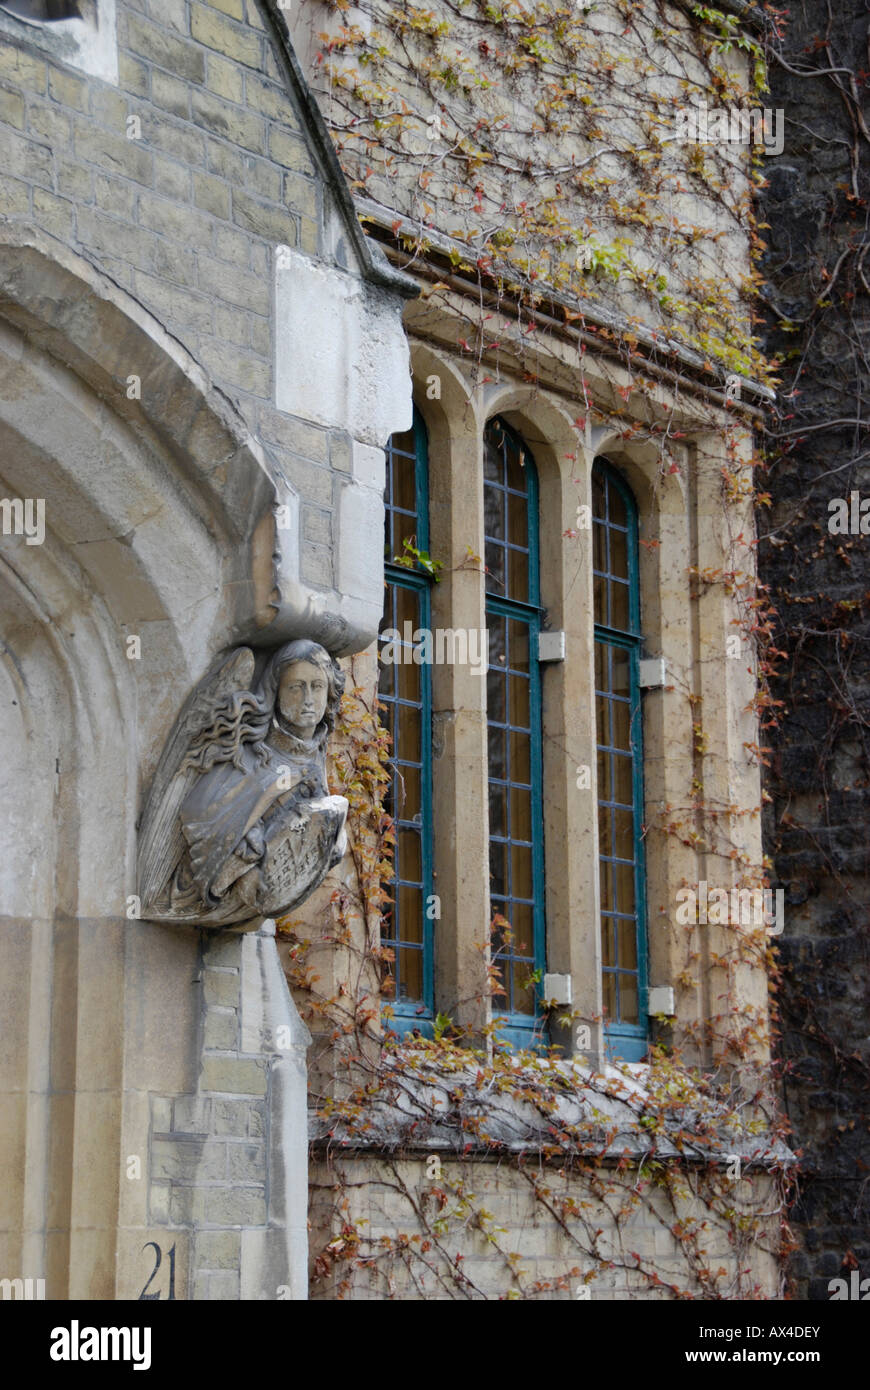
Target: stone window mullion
(460, 853)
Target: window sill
(558, 1110)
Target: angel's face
(302, 694)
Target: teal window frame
(410, 1015)
(519, 1030)
(628, 1041)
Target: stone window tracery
(555, 884)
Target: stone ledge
(445, 1111)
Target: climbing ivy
(524, 161)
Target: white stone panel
(360, 552)
(369, 466)
(341, 356)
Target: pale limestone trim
(604, 1108)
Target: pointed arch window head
(509, 515)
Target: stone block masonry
(818, 773)
(477, 1230)
(222, 1180)
(143, 215)
(178, 184)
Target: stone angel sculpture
(239, 824)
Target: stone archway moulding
(160, 522)
(223, 476)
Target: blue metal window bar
(618, 720)
(405, 694)
(514, 773)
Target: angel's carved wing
(186, 754)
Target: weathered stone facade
(571, 400)
(203, 358)
(180, 183)
(153, 1086)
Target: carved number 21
(148, 1297)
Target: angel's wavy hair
(245, 716)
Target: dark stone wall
(817, 311)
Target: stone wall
(164, 387)
(179, 182)
(817, 824)
(511, 139)
(420, 1236)
(224, 1168)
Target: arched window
(405, 693)
(620, 781)
(513, 693)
